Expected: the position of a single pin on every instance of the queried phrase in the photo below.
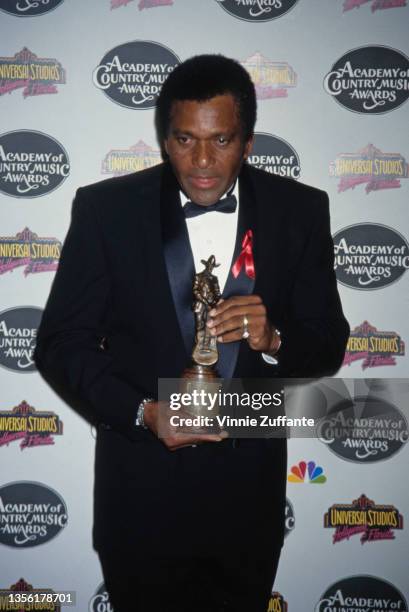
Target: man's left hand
(227, 322)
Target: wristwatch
(140, 422)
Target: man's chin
(204, 199)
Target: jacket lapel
(178, 256)
(242, 284)
(273, 237)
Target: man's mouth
(203, 182)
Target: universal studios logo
(133, 73)
(257, 10)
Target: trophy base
(202, 383)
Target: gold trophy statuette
(202, 374)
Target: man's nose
(202, 155)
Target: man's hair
(201, 78)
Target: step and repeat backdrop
(78, 85)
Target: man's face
(206, 147)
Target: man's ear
(165, 146)
(248, 147)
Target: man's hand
(157, 417)
(227, 323)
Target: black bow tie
(225, 205)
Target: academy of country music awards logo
(373, 347)
(18, 334)
(99, 602)
(35, 75)
(28, 8)
(32, 164)
(370, 80)
(289, 520)
(275, 155)
(32, 427)
(369, 256)
(137, 157)
(257, 10)
(142, 4)
(133, 73)
(364, 429)
(23, 587)
(26, 249)
(271, 79)
(376, 5)
(370, 167)
(361, 593)
(30, 514)
(372, 521)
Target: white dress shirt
(214, 233)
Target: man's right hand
(157, 418)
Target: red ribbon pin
(245, 257)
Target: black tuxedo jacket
(119, 317)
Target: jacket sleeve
(70, 353)
(314, 330)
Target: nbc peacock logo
(307, 471)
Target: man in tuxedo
(187, 521)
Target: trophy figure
(206, 292)
(202, 374)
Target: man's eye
(221, 140)
(183, 139)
